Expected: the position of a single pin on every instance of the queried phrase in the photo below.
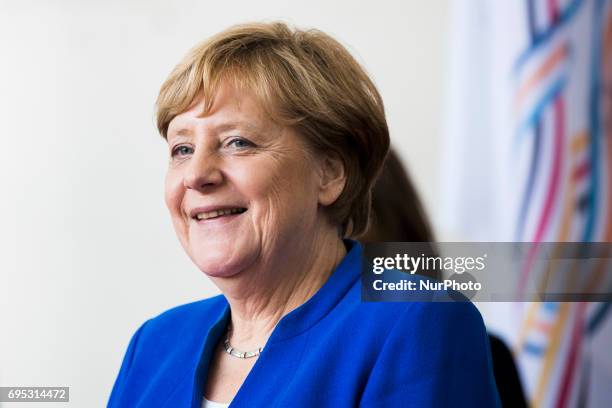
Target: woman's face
(240, 188)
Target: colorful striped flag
(529, 158)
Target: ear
(332, 179)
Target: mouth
(214, 214)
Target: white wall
(87, 251)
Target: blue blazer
(333, 351)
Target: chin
(218, 263)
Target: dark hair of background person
(398, 216)
(397, 213)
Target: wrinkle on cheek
(287, 185)
(273, 204)
(269, 221)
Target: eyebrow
(234, 125)
(222, 127)
(182, 131)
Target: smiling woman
(275, 137)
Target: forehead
(232, 108)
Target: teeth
(218, 213)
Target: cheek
(281, 192)
(173, 194)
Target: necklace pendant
(240, 354)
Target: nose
(203, 172)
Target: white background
(87, 251)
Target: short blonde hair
(304, 79)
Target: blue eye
(240, 143)
(182, 150)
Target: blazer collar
(327, 297)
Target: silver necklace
(237, 353)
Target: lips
(203, 214)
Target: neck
(260, 297)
